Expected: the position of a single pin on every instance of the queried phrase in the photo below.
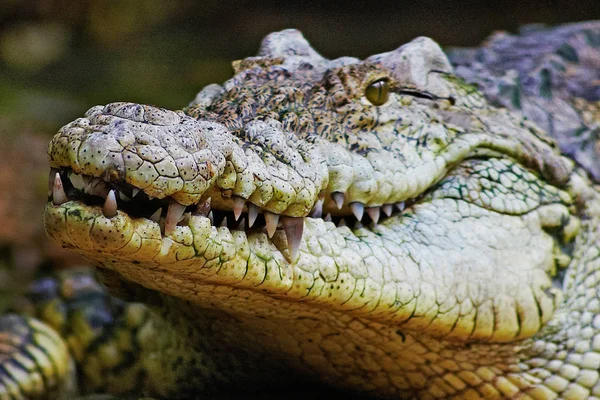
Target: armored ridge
(375, 225)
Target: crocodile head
(384, 189)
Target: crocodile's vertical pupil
(377, 92)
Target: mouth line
(112, 196)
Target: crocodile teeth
(293, 231)
(211, 218)
(358, 225)
(338, 199)
(271, 221)
(252, 214)
(58, 191)
(156, 216)
(401, 205)
(374, 213)
(96, 187)
(174, 214)
(110, 205)
(357, 209)
(327, 218)
(387, 209)
(77, 181)
(342, 222)
(224, 223)
(317, 210)
(238, 207)
(135, 192)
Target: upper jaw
(166, 154)
(169, 154)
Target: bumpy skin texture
(484, 284)
(552, 78)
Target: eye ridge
(378, 92)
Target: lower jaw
(302, 342)
(418, 270)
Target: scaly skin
(551, 76)
(484, 286)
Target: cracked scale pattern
(484, 286)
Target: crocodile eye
(378, 91)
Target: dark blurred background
(60, 57)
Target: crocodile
(380, 226)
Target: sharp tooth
(110, 205)
(317, 210)
(293, 231)
(342, 222)
(224, 223)
(58, 191)
(211, 217)
(174, 214)
(357, 209)
(374, 213)
(92, 183)
(156, 216)
(165, 246)
(77, 181)
(338, 199)
(271, 221)
(387, 209)
(238, 207)
(252, 214)
(327, 218)
(358, 225)
(135, 192)
(400, 206)
(96, 187)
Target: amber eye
(378, 91)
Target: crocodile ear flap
(417, 65)
(289, 43)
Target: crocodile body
(375, 225)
